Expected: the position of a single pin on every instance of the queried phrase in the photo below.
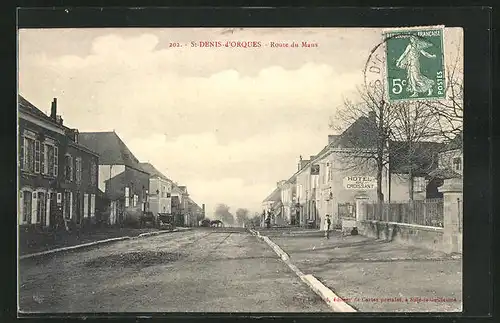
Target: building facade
(122, 179)
(289, 200)
(322, 182)
(57, 176)
(160, 191)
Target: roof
(30, 107)
(424, 157)
(362, 133)
(149, 168)
(455, 143)
(111, 149)
(274, 196)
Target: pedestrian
(268, 221)
(328, 223)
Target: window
(457, 164)
(92, 205)
(27, 206)
(135, 200)
(330, 171)
(85, 205)
(69, 168)
(28, 150)
(78, 169)
(48, 159)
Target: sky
(228, 123)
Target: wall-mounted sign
(360, 183)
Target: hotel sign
(360, 183)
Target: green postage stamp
(415, 67)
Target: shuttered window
(56, 161)
(37, 156)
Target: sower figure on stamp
(410, 61)
(328, 223)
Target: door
(41, 211)
(78, 208)
(67, 205)
(53, 210)
(112, 215)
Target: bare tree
(366, 145)
(242, 216)
(450, 111)
(413, 145)
(222, 213)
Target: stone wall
(447, 239)
(416, 235)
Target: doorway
(78, 208)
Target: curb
(89, 244)
(331, 299)
(74, 247)
(155, 233)
(336, 303)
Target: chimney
(53, 109)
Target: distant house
(179, 204)
(160, 190)
(450, 162)
(422, 161)
(289, 199)
(273, 205)
(121, 177)
(194, 213)
(57, 175)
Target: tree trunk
(380, 168)
(410, 185)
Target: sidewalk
(30, 243)
(379, 276)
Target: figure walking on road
(328, 223)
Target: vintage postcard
(240, 170)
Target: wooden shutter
(56, 161)
(37, 156)
(42, 158)
(21, 153)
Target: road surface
(203, 270)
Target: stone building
(57, 175)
